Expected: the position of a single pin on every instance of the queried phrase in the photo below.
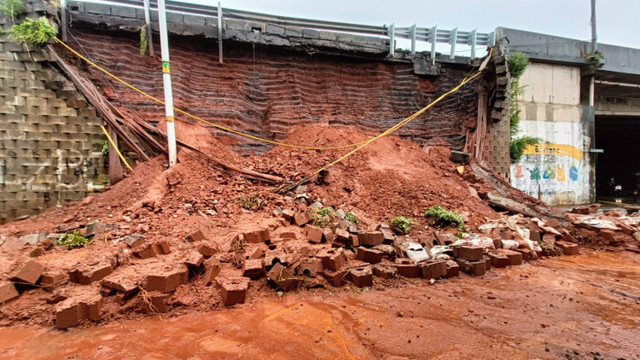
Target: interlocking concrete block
(361, 277)
(408, 268)
(568, 248)
(283, 277)
(385, 271)
(74, 310)
(87, 274)
(470, 253)
(498, 259)
(167, 278)
(313, 234)
(7, 291)
(257, 236)
(433, 269)
(370, 238)
(253, 269)
(233, 290)
(453, 269)
(333, 259)
(29, 273)
(475, 268)
(372, 256)
(336, 278)
(211, 270)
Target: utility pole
(594, 48)
(166, 78)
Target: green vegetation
(252, 201)
(517, 64)
(445, 218)
(33, 32)
(143, 40)
(12, 8)
(401, 225)
(73, 241)
(322, 217)
(350, 217)
(595, 60)
(103, 145)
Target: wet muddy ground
(575, 307)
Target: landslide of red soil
(388, 178)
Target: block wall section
(48, 134)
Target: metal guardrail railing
(431, 35)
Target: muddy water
(579, 307)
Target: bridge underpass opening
(618, 136)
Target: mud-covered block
(75, 309)
(313, 234)
(145, 252)
(408, 268)
(301, 218)
(199, 235)
(161, 247)
(487, 262)
(453, 269)
(342, 237)
(155, 303)
(433, 269)
(233, 290)
(167, 279)
(515, 257)
(336, 278)
(470, 253)
(310, 267)
(87, 274)
(568, 248)
(120, 282)
(370, 238)
(211, 270)
(333, 259)
(33, 239)
(194, 259)
(29, 273)
(283, 277)
(384, 271)
(98, 228)
(253, 269)
(372, 256)
(133, 241)
(361, 277)
(257, 236)
(387, 233)
(207, 250)
(7, 291)
(527, 254)
(498, 259)
(475, 268)
(50, 281)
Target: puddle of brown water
(560, 305)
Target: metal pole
(413, 39)
(453, 40)
(433, 38)
(147, 20)
(594, 47)
(473, 44)
(63, 19)
(392, 40)
(219, 33)
(166, 77)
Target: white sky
(618, 21)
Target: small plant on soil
(322, 217)
(251, 202)
(33, 32)
(401, 225)
(445, 218)
(73, 241)
(350, 217)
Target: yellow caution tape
(115, 147)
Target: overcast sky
(618, 21)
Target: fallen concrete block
(207, 250)
(499, 259)
(145, 252)
(387, 234)
(475, 268)
(372, 256)
(282, 277)
(98, 228)
(470, 253)
(133, 241)
(287, 214)
(370, 238)
(211, 270)
(327, 235)
(527, 254)
(515, 257)
(487, 262)
(257, 236)
(361, 277)
(155, 302)
(313, 234)
(7, 291)
(233, 290)
(161, 247)
(384, 271)
(333, 259)
(568, 248)
(167, 279)
(273, 257)
(74, 310)
(194, 259)
(87, 274)
(388, 251)
(309, 267)
(408, 268)
(453, 269)
(445, 239)
(50, 281)
(196, 236)
(301, 218)
(342, 237)
(253, 269)
(336, 278)
(433, 269)
(33, 239)
(120, 282)
(29, 273)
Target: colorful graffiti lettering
(535, 173)
(549, 173)
(519, 173)
(560, 175)
(573, 173)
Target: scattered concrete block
(470, 253)
(161, 247)
(233, 290)
(313, 234)
(257, 236)
(257, 254)
(287, 214)
(196, 236)
(29, 273)
(499, 259)
(475, 268)
(156, 302)
(336, 278)
(361, 277)
(568, 248)
(327, 235)
(433, 269)
(282, 277)
(133, 241)
(453, 269)
(527, 254)
(7, 291)
(167, 279)
(342, 237)
(207, 250)
(211, 270)
(408, 268)
(120, 282)
(145, 252)
(310, 267)
(273, 257)
(333, 259)
(355, 241)
(370, 238)
(384, 271)
(50, 281)
(301, 218)
(387, 233)
(515, 257)
(33, 239)
(88, 274)
(445, 239)
(74, 310)
(194, 259)
(98, 228)
(372, 256)
(253, 269)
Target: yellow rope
(116, 147)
